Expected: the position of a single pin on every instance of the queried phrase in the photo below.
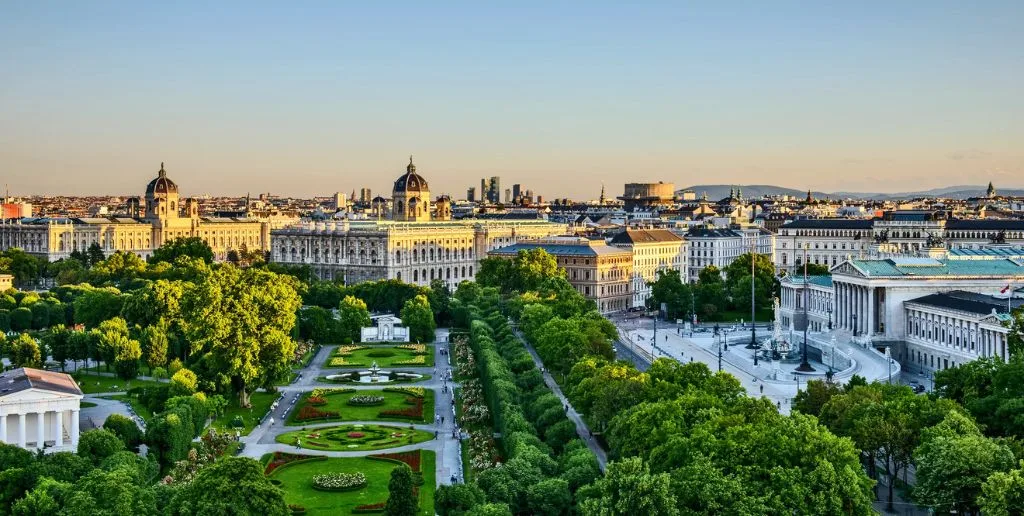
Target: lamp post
(805, 366)
(830, 316)
(853, 317)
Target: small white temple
(386, 329)
(39, 408)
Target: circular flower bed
(355, 435)
(364, 400)
(339, 481)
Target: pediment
(34, 395)
(848, 269)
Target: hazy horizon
(311, 99)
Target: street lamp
(854, 318)
(805, 366)
(830, 316)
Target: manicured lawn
(355, 437)
(362, 355)
(86, 404)
(138, 407)
(338, 402)
(92, 384)
(260, 402)
(296, 482)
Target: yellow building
(159, 218)
(654, 251)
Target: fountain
(780, 346)
(374, 372)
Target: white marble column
(74, 427)
(21, 430)
(40, 429)
(58, 436)
(871, 311)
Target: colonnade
(854, 308)
(49, 426)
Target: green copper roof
(899, 267)
(798, 279)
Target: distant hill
(716, 192)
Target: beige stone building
(159, 217)
(597, 270)
(654, 250)
(418, 244)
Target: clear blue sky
(320, 97)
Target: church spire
(991, 192)
(602, 199)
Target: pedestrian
(762, 388)
(778, 404)
(435, 434)
(442, 420)
(567, 409)
(271, 421)
(298, 443)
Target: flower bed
(413, 412)
(347, 350)
(369, 508)
(417, 392)
(281, 458)
(316, 401)
(364, 400)
(340, 361)
(310, 413)
(296, 509)
(415, 348)
(416, 360)
(339, 481)
(355, 435)
(320, 392)
(410, 458)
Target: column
(58, 438)
(871, 311)
(3, 428)
(21, 430)
(40, 429)
(74, 427)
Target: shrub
(339, 481)
(309, 413)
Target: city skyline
(303, 102)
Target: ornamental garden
(364, 355)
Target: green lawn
(392, 401)
(260, 402)
(138, 407)
(86, 404)
(92, 384)
(298, 489)
(385, 356)
(336, 438)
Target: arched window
(415, 275)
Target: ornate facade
(158, 218)
(654, 250)
(418, 245)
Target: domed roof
(379, 200)
(411, 181)
(162, 184)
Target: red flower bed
(355, 435)
(411, 458)
(307, 413)
(370, 507)
(318, 401)
(280, 459)
(413, 412)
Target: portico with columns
(39, 409)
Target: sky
(310, 98)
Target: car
(919, 389)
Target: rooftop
(561, 249)
(923, 267)
(798, 279)
(985, 224)
(971, 302)
(23, 379)
(645, 236)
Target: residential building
(6, 282)
(597, 270)
(719, 247)
(654, 251)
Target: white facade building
(39, 408)
(719, 247)
(654, 250)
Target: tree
(94, 254)
(109, 492)
(117, 348)
(629, 488)
(24, 351)
(58, 342)
(240, 320)
(317, 324)
(154, 341)
(169, 435)
(99, 444)
(677, 296)
(419, 318)
(456, 499)
(549, 497)
(184, 383)
(23, 266)
(21, 319)
(401, 498)
(953, 462)
(1003, 493)
(814, 269)
(353, 316)
(118, 267)
(96, 305)
(193, 247)
(125, 429)
(815, 396)
(440, 301)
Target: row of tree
(712, 294)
